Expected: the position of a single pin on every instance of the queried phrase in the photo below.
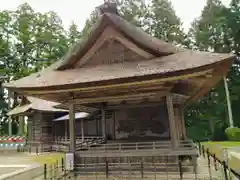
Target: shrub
(219, 134)
(233, 134)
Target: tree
(156, 17)
(165, 24)
(73, 34)
(217, 30)
(29, 41)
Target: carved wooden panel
(142, 123)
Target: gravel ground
(6, 170)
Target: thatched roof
(35, 104)
(186, 60)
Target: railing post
(225, 170)
(106, 161)
(203, 151)
(62, 165)
(199, 148)
(45, 171)
(120, 147)
(37, 150)
(208, 158)
(180, 168)
(214, 160)
(29, 149)
(142, 176)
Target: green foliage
(157, 17)
(233, 134)
(217, 30)
(29, 41)
(219, 133)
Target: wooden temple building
(141, 82)
(47, 126)
(40, 114)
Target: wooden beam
(130, 106)
(122, 91)
(117, 98)
(171, 118)
(77, 107)
(72, 129)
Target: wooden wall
(90, 127)
(150, 123)
(40, 126)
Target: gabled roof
(151, 58)
(149, 43)
(35, 104)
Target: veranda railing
(184, 147)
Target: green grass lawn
(217, 148)
(223, 144)
(49, 159)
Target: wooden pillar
(66, 129)
(114, 125)
(177, 121)
(21, 125)
(9, 126)
(97, 132)
(9, 118)
(184, 132)
(29, 129)
(82, 129)
(103, 113)
(171, 119)
(72, 129)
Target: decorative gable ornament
(109, 6)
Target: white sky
(79, 10)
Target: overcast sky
(79, 10)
